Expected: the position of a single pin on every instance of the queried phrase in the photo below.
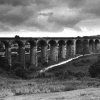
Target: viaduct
(50, 49)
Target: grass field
(14, 86)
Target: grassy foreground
(54, 83)
(23, 87)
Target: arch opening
(91, 46)
(79, 47)
(62, 50)
(85, 46)
(53, 54)
(70, 48)
(42, 52)
(97, 46)
(53, 43)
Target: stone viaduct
(50, 49)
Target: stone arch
(52, 42)
(62, 49)
(79, 47)
(7, 50)
(91, 46)
(53, 54)
(31, 56)
(85, 46)
(43, 48)
(97, 46)
(27, 47)
(70, 49)
(29, 44)
(41, 43)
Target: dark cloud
(46, 15)
(92, 7)
(16, 15)
(15, 2)
(4, 27)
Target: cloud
(4, 27)
(47, 15)
(15, 2)
(13, 16)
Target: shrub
(79, 75)
(69, 88)
(85, 60)
(21, 73)
(33, 68)
(19, 70)
(45, 75)
(62, 75)
(17, 65)
(45, 64)
(4, 63)
(94, 69)
(77, 63)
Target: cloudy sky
(49, 17)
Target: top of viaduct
(58, 38)
(78, 37)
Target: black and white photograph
(49, 49)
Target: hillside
(80, 65)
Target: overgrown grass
(62, 78)
(23, 87)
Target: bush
(77, 63)
(45, 64)
(85, 60)
(79, 75)
(4, 63)
(17, 65)
(19, 70)
(62, 75)
(94, 69)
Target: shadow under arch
(52, 43)
(79, 46)
(62, 49)
(91, 46)
(42, 52)
(70, 48)
(97, 46)
(85, 46)
(53, 54)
